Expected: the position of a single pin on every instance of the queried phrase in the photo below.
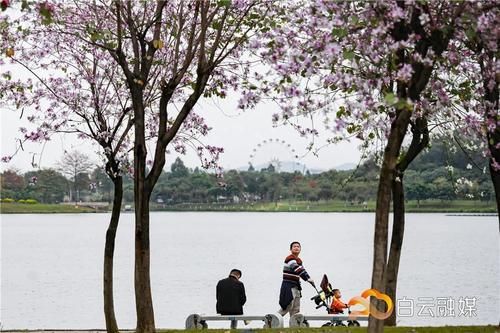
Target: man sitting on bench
(231, 297)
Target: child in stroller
(336, 306)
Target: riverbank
(18, 208)
(445, 329)
(428, 206)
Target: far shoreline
(457, 207)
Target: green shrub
(28, 201)
(7, 200)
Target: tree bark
(495, 178)
(398, 228)
(75, 187)
(391, 153)
(491, 97)
(143, 297)
(109, 249)
(420, 140)
(142, 280)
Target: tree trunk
(495, 178)
(143, 187)
(75, 188)
(398, 228)
(491, 96)
(491, 104)
(391, 153)
(420, 139)
(143, 298)
(109, 249)
(142, 281)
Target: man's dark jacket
(230, 296)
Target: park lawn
(427, 206)
(18, 208)
(459, 206)
(444, 329)
(432, 206)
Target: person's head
(336, 293)
(236, 273)
(295, 248)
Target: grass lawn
(18, 208)
(431, 206)
(427, 206)
(445, 329)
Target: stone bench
(196, 321)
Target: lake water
(51, 265)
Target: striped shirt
(293, 270)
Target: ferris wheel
(276, 152)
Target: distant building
(221, 198)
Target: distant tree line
(444, 172)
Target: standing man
(231, 297)
(290, 287)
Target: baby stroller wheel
(353, 323)
(339, 323)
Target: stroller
(324, 298)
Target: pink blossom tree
(371, 70)
(477, 96)
(68, 90)
(164, 56)
(77, 95)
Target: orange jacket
(337, 306)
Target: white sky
(237, 132)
